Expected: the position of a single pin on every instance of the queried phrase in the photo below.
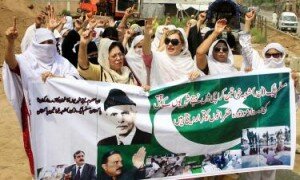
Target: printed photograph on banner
(266, 146)
(225, 160)
(79, 169)
(163, 166)
(127, 120)
(53, 172)
(112, 165)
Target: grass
(257, 36)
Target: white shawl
(165, 68)
(136, 62)
(216, 67)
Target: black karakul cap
(117, 97)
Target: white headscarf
(165, 68)
(44, 57)
(216, 67)
(158, 34)
(103, 55)
(136, 62)
(42, 54)
(274, 62)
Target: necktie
(121, 143)
(77, 176)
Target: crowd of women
(100, 49)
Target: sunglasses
(218, 49)
(174, 42)
(275, 55)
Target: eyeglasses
(275, 55)
(93, 56)
(218, 49)
(174, 42)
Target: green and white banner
(216, 125)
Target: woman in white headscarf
(272, 55)
(172, 61)
(135, 59)
(111, 60)
(220, 58)
(39, 62)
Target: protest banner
(216, 125)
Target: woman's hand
(194, 75)
(47, 74)
(220, 25)
(12, 33)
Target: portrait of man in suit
(122, 112)
(80, 170)
(112, 166)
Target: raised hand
(220, 25)
(78, 24)
(149, 23)
(139, 157)
(40, 19)
(12, 33)
(86, 36)
(52, 20)
(129, 11)
(92, 23)
(168, 20)
(250, 16)
(63, 20)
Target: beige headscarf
(126, 77)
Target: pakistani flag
(217, 125)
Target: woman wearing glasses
(273, 54)
(172, 61)
(112, 59)
(220, 58)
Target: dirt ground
(14, 163)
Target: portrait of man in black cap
(122, 111)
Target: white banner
(218, 125)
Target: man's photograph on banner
(112, 164)
(126, 119)
(80, 169)
(266, 146)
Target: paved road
(268, 16)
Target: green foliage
(257, 36)
(65, 12)
(175, 21)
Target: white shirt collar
(80, 168)
(128, 139)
